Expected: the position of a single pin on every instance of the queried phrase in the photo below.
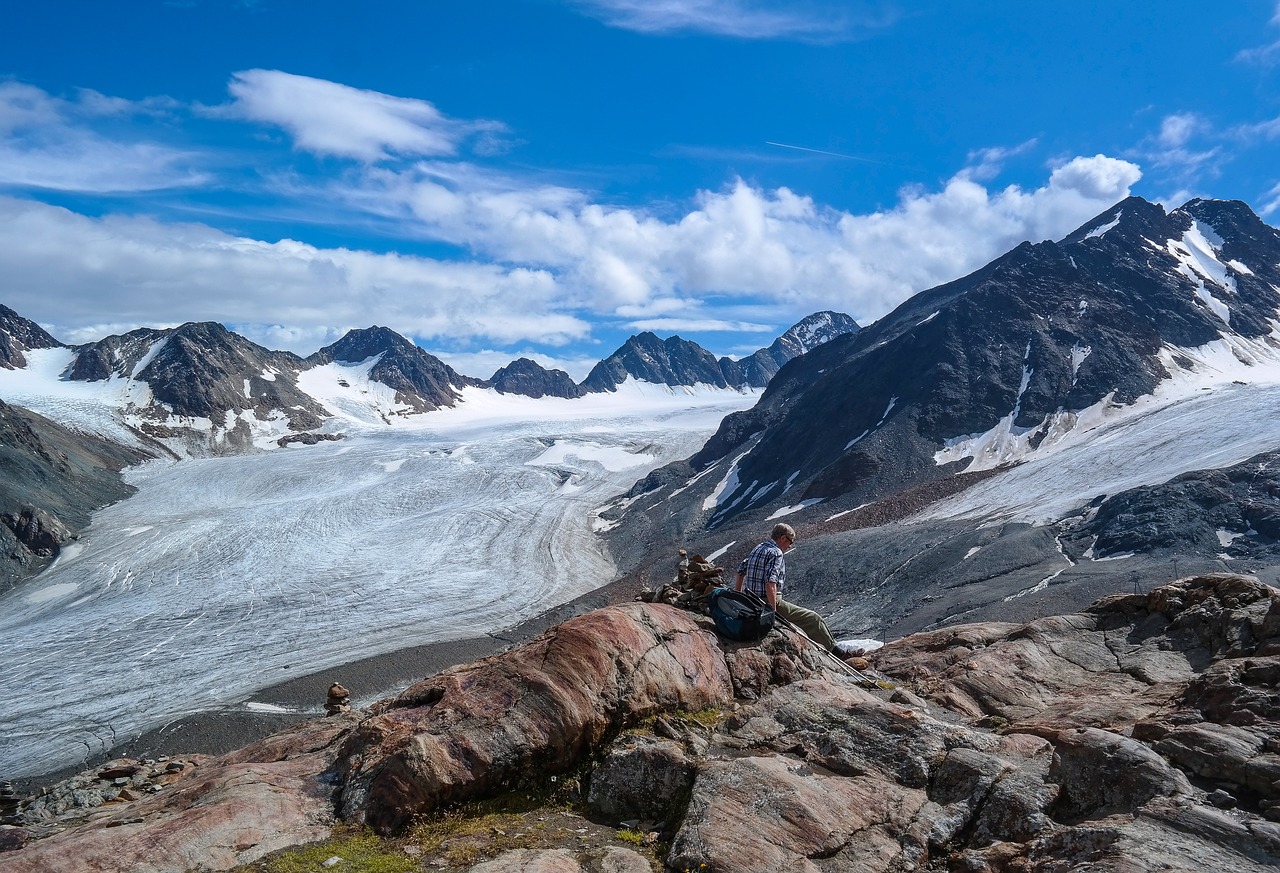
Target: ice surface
(225, 575)
(1219, 412)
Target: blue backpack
(738, 616)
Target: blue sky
(547, 177)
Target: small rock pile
(695, 578)
(8, 804)
(338, 699)
(73, 800)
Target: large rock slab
(230, 811)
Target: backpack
(738, 616)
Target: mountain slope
(420, 380)
(209, 389)
(523, 376)
(950, 460)
(806, 335)
(673, 361)
(17, 335)
(50, 482)
(1015, 352)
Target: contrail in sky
(783, 145)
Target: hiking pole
(787, 623)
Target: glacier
(225, 575)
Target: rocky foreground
(1142, 734)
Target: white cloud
(1182, 149)
(47, 142)
(328, 118)
(1271, 201)
(809, 21)
(566, 260)
(697, 325)
(1177, 129)
(986, 164)
(59, 267)
(545, 261)
(742, 243)
(1265, 55)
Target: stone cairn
(694, 580)
(8, 803)
(339, 700)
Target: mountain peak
(17, 335)
(528, 377)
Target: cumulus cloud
(810, 21)
(743, 243)
(328, 118)
(544, 263)
(60, 266)
(556, 262)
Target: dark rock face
(523, 376)
(419, 379)
(114, 355)
(676, 361)
(17, 335)
(50, 481)
(202, 370)
(1234, 512)
(673, 361)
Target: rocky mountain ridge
(1051, 347)
(676, 361)
(202, 389)
(1137, 735)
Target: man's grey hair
(782, 529)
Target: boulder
(640, 778)
(535, 710)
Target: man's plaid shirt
(764, 564)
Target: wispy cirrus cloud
(328, 118)
(1264, 55)
(820, 21)
(54, 143)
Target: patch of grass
(710, 717)
(482, 829)
(362, 852)
(627, 835)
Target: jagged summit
(203, 389)
(18, 334)
(420, 380)
(806, 335)
(528, 377)
(677, 361)
(673, 361)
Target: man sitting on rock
(764, 573)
